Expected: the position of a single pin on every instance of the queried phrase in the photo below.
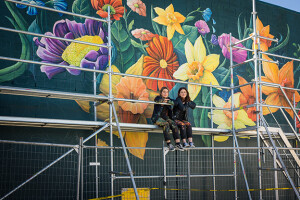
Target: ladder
(275, 138)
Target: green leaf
(207, 140)
(245, 26)
(197, 112)
(294, 44)
(205, 92)
(20, 21)
(164, 31)
(14, 71)
(179, 40)
(286, 40)
(82, 7)
(119, 32)
(34, 28)
(135, 44)
(125, 57)
(138, 45)
(130, 25)
(239, 27)
(223, 63)
(189, 18)
(154, 24)
(204, 124)
(222, 74)
(247, 33)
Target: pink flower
(137, 6)
(142, 34)
(239, 55)
(202, 26)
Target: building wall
(154, 52)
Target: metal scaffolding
(281, 156)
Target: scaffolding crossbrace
(261, 122)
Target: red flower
(161, 63)
(116, 8)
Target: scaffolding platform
(91, 125)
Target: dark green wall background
(225, 13)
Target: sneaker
(186, 145)
(171, 147)
(192, 145)
(179, 147)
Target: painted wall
(168, 39)
(185, 40)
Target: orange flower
(128, 116)
(248, 98)
(284, 77)
(132, 88)
(116, 8)
(265, 32)
(161, 62)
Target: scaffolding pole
(189, 174)
(275, 175)
(110, 97)
(96, 138)
(125, 152)
(232, 121)
(213, 165)
(164, 152)
(79, 169)
(255, 58)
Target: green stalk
(192, 13)
(142, 45)
(207, 47)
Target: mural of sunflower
(116, 8)
(161, 63)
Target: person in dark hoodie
(163, 117)
(180, 115)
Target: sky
(289, 4)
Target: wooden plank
(288, 144)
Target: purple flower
(53, 51)
(239, 55)
(214, 39)
(202, 26)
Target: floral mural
(173, 44)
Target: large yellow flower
(198, 68)
(223, 118)
(170, 19)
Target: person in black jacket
(180, 115)
(162, 116)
